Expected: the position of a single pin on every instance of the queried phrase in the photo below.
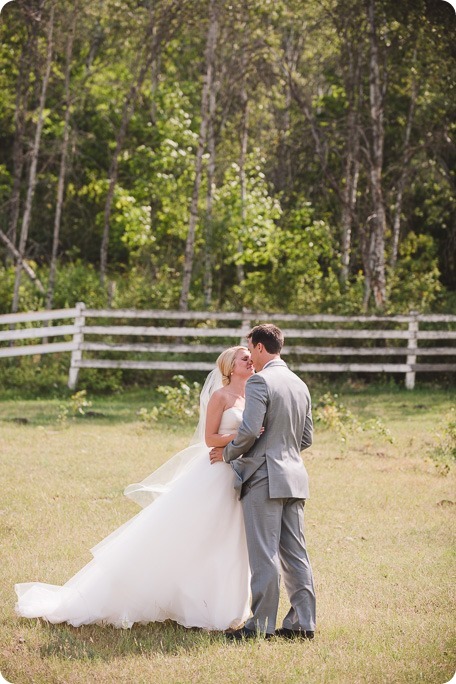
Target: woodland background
(280, 155)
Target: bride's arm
(214, 414)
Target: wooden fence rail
(183, 341)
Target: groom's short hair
(270, 336)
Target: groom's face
(255, 355)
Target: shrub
(443, 451)
(180, 404)
(333, 415)
(35, 375)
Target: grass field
(380, 529)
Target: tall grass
(380, 527)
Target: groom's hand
(216, 454)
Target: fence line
(182, 338)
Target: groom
(273, 485)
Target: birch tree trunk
(190, 242)
(33, 164)
(18, 145)
(375, 282)
(208, 238)
(291, 50)
(352, 162)
(349, 195)
(63, 164)
(154, 78)
(26, 267)
(405, 168)
(242, 159)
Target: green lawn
(380, 528)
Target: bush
(32, 376)
(332, 415)
(443, 451)
(101, 380)
(181, 403)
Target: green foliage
(180, 404)
(251, 225)
(78, 282)
(161, 167)
(77, 405)
(299, 275)
(29, 297)
(143, 289)
(101, 380)
(284, 233)
(5, 187)
(415, 284)
(331, 414)
(34, 376)
(443, 451)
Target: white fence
(192, 340)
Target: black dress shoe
(294, 633)
(245, 633)
(240, 634)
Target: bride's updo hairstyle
(225, 362)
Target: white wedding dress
(183, 557)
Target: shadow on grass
(94, 642)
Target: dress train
(183, 557)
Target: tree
(34, 161)
(375, 228)
(158, 29)
(207, 86)
(210, 147)
(63, 161)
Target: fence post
(412, 343)
(245, 326)
(78, 338)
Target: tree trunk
(63, 164)
(154, 78)
(242, 159)
(33, 165)
(405, 169)
(375, 253)
(190, 243)
(352, 161)
(208, 241)
(349, 195)
(15, 254)
(292, 43)
(18, 145)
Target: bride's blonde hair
(225, 362)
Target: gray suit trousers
(276, 543)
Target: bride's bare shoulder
(217, 403)
(219, 395)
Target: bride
(184, 556)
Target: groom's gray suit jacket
(279, 401)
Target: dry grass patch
(379, 535)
